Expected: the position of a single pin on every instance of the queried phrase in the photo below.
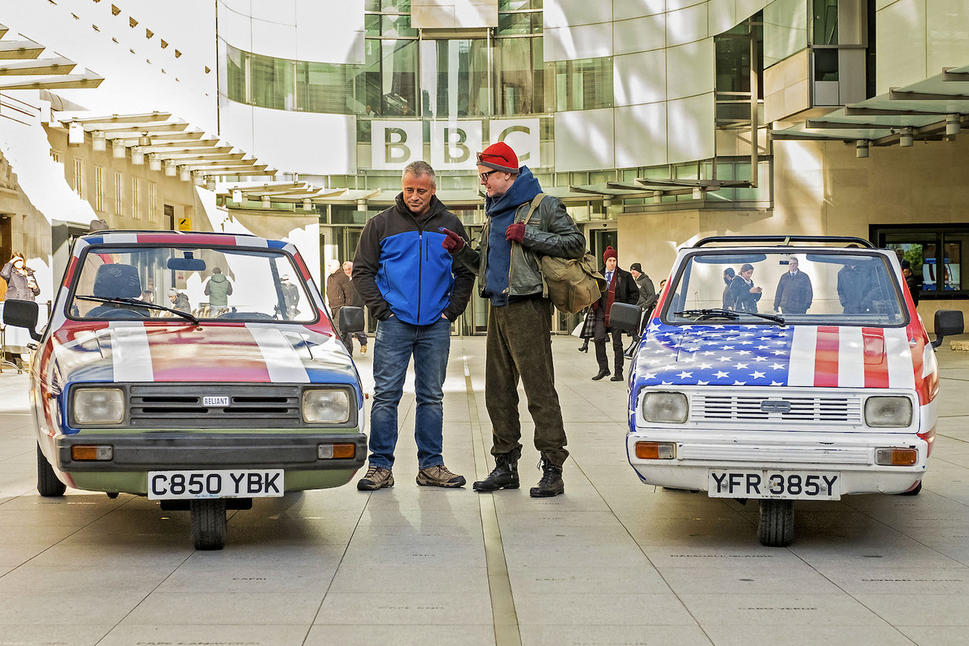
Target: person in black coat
(794, 293)
(621, 288)
(742, 295)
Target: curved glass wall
(500, 73)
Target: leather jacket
(550, 232)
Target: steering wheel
(246, 315)
(105, 311)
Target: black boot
(604, 372)
(504, 476)
(617, 376)
(585, 346)
(551, 483)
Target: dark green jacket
(550, 232)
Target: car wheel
(208, 524)
(914, 491)
(48, 485)
(776, 522)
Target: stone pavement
(611, 562)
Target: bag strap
(511, 260)
(535, 202)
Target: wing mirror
(947, 323)
(625, 317)
(350, 320)
(21, 314)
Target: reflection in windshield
(204, 283)
(850, 288)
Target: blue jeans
(394, 344)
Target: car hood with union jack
(133, 351)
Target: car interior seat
(116, 280)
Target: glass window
(584, 84)
(454, 78)
(517, 5)
(399, 6)
(825, 21)
(529, 22)
(520, 79)
(825, 64)
(814, 287)
(324, 87)
(390, 78)
(138, 278)
(236, 73)
(397, 26)
(954, 247)
(933, 254)
(272, 82)
(371, 24)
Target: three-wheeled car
(198, 369)
(805, 373)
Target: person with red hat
(519, 344)
(622, 288)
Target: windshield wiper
(704, 314)
(701, 315)
(137, 303)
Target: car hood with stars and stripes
(772, 355)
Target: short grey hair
(418, 168)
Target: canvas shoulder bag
(572, 284)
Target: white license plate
(770, 483)
(235, 483)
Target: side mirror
(21, 314)
(350, 320)
(947, 323)
(625, 317)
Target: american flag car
(805, 406)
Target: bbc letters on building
(394, 144)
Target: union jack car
(198, 369)
(751, 381)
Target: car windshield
(194, 283)
(810, 287)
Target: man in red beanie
(622, 289)
(520, 319)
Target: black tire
(48, 485)
(776, 522)
(208, 524)
(913, 492)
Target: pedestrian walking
(519, 343)
(414, 290)
(341, 292)
(621, 288)
(218, 289)
(794, 293)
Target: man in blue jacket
(414, 290)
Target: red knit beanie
(609, 253)
(499, 156)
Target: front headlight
(668, 408)
(326, 406)
(98, 406)
(888, 412)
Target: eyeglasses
(484, 176)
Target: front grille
(180, 406)
(726, 408)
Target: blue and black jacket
(401, 268)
